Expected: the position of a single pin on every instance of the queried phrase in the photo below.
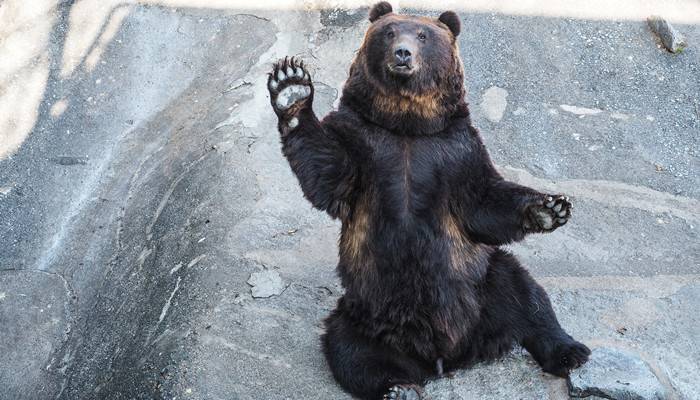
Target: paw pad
(289, 83)
(560, 207)
(290, 95)
(553, 212)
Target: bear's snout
(403, 60)
(403, 54)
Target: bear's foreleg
(324, 170)
(369, 370)
(508, 211)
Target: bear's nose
(403, 54)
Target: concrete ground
(142, 183)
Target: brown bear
(423, 212)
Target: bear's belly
(425, 320)
(407, 291)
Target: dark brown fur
(421, 106)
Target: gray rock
(614, 373)
(266, 283)
(670, 37)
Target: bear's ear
(451, 19)
(378, 10)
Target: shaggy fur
(423, 211)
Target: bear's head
(407, 76)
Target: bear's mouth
(401, 68)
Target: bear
(424, 214)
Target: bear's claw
(560, 207)
(553, 212)
(403, 392)
(289, 83)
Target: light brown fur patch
(426, 106)
(462, 252)
(354, 233)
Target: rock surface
(618, 374)
(142, 183)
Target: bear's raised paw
(290, 89)
(551, 213)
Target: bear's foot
(403, 392)
(551, 213)
(565, 358)
(290, 89)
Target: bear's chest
(409, 176)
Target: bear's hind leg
(517, 304)
(552, 348)
(367, 370)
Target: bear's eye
(422, 36)
(391, 35)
